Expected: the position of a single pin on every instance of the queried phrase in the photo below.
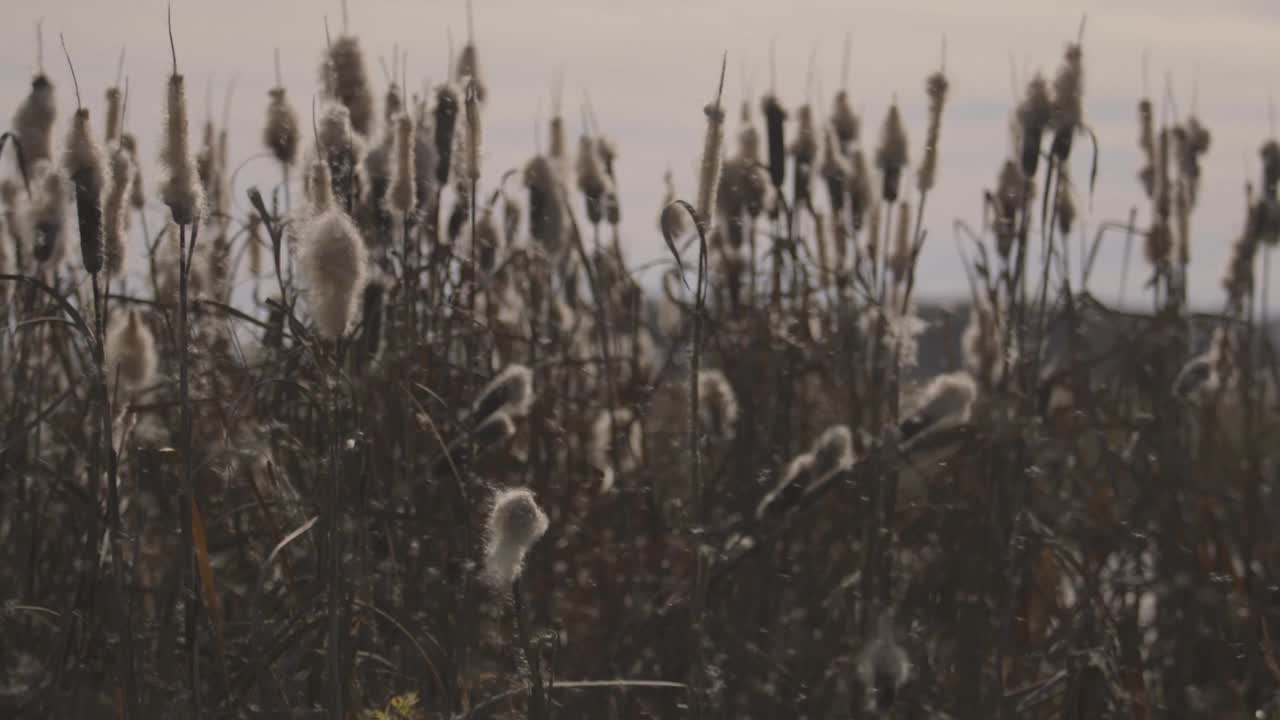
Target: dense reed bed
(405, 440)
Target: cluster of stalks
(408, 440)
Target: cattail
(114, 110)
(446, 118)
(789, 488)
(1194, 142)
(474, 133)
(87, 169)
(333, 260)
(718, 406)
(1034, 115)
(873, 232)
(834, 173)
(1158, 245)
(403, 193)
(1008, 201)
(1182, 216)
(621, 430)
(891, 156)
(558, 147)
(832, 453)
(320, 187)
(33, 122)
(137, 192)
(494, 431)
(1068, 106)
(748, 136)
(371, 312)
(181, 189)
(342, 150)
(48, 212)
(1064, 204)
(488, 238)
(515, 524)
(1146, 143)
(860, 189)
(936, 88)
(281, 135)
(546, 214)
(709, 168)
(1270, 153)
(131, 352)
(671, 218)
(510, 392)
(468, 70)
(946, 402)
(1238, 281)
(392, 104)
(377, 168)
(805, 150)
(1199, 378)
(844, 122)
(345, 80)
(256, 245)
(116, 212)
(591, 178)
(774, 117)
(884, 666)
(900, 253)
(983, 344)
(424, 158)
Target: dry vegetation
(440, 455)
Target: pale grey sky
(650, 66)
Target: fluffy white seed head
(717, 406)
(709, 169)
(180, 189)
(47, 213)
(884, 666)
(946, 402)
(789, 487)
(511, 391)
(832, 452)
(114, 108)
(33, 121)
(115, 213)
(131, 352)
(403, 192)
(281, 135)
(347, 81)
(334, 261)
(515, 524)
(618, 430)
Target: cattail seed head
(1270, 153)
(116, 212)
(511, 392)
(835, 173)
(446, 118)
(717, 407)
(515, 524)
(891, 155)
(334, 261)
(33, 121)
(281, 135)
(621, 430)
(936, 88)
(591, 178)
(131, 352)
(468, 70)
(371, 317)
(558, 147)
(82, 159)
(474, 135)
(789, 488)
(114, 108)
(774, 117)
(861, 194)
(946, 402)
(709, 168)
(137, 192)
(844, 121)
(832, 452)
(424, 158)
(342, 150)
(546, 212)
(320, 187)
(1068, 105)
(345, 79)
(181, 189)
(805, 150)
(1034, 115)
(1009, 197)
(48, 213)
(403, 192)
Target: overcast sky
(650, 67)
